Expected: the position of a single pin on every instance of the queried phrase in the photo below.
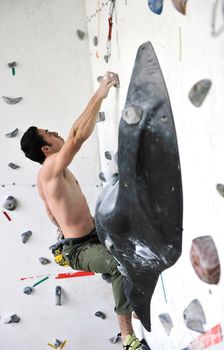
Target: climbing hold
(146, 240)
(11, 319)
(11, 100)
(205, 260)
(80, 34)
(13, 166)
(107, 155)
(10, 203)
(194, 316)
(44, 261)
(101, 117)
(156, 6)
(102, 177)
(12, 133)
(28, 290)
(100, 78)
(132, 114)
(12, 65)
(115, 339)
(199, 91)
(180, 6)
(106, 277)
(25, 236)
(106, 58)
(58, 293)
(167, 322)
(220, 189)
(100, 314)
(95, 40)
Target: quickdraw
(109, 37)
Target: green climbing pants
(88, 254)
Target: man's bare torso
(63, 197)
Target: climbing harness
(56, 250)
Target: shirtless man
(67, 206)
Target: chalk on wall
(194, 316)
(205, 260)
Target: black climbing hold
(25, 236)
(11, 100)
(167, 322)
(220, 189)
(44, 261)
(194, 316)
(80, 34)
(58, 293)
(139, 213)
(102, 177)
(95, 40)
(100, 314)
(13, 133)
(199, 91)
(13, 166)
(107, 155)
(106, 277)
(28, 290)
(10, 203)
(180, 6)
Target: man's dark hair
(31, 144)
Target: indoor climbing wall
(187, 36)
(45, 80)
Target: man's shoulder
(46, 172)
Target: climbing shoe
(56, 250)
(132, 343)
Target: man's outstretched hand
(109, 79)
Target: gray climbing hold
(12, 133)
(167, 322)
(107, 155)
(100, 78)
(57, 343)
(58, 292)
(115, 339)
(194, 316)
(100, 314)
(101, 117)
(11, 319)
(199, 92)
(220, 189)
(132, 114)
(44, 261)
(28, 290)
(13, 166)
(11, 100)
(106, 58)
(102, 177)
(80, 34)
(10, 203)
(25, 236)
(12, 64)
(95, 40)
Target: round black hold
(100, 314)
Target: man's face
(53, 139)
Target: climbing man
(67, 206)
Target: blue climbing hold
(156, 6)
